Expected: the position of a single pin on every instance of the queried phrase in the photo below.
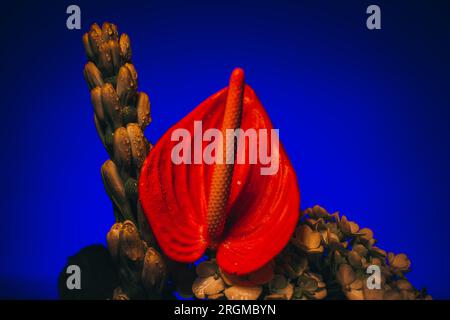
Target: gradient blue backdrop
(364, 116)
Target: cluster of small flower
(327, 257)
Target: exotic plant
(242, 225)
(228, 206)
(121, 114)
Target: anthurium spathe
(234, 207)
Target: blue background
(364, 116)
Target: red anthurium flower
(247, 216)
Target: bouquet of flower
(157, 252)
